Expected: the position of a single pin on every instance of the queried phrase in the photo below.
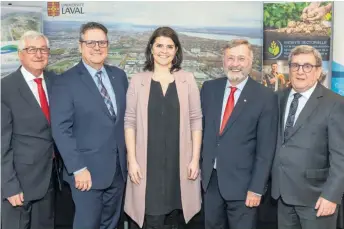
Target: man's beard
(239, 76)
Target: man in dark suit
(88, 105)
(240, 126)
(27, 149)
(308, 170)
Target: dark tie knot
(297, 95)
(38, 80)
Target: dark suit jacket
(245, 150)
(84, 131)
(310, 162)
(26, 141)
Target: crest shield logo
(53, 9)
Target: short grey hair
(31, 35)
(305, 49)
(236, 42)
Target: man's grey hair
(31, 35)
(305, 49)
(236, 42)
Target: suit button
(218, 144)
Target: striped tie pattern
(291, 116)
(104, 93)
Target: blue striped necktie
(104, 93)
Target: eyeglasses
(92, 44)
(305, 67)
(33, 50)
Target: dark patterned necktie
(104, 93)
(291, 116)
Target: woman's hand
(134, 172)
(193, 170)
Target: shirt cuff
(257, 194)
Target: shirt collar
(28, 75)
(307, 94)
(239, 86)
(91, 70)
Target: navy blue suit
(244, 152)
(88, 136)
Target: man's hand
(16, 200)
(83, 180)
(325, 207)
(193, 170)
(252, 199)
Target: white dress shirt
(302, 102)
(29, 78)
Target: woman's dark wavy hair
(164, 32)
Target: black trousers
(36, 214)
(223, 214)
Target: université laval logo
(53, 9)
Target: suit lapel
(27, 95)
(282, 107)
(48, 80)
(86, 78)
(117, 89)
(307, 111)
(219, 92)
(240, 104)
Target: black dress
(163, 183)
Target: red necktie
(229, 108)
(43, 98)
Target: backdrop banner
(14, 22)
(203, 32)
(287, 25)
(338, 49)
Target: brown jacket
(190, 119)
